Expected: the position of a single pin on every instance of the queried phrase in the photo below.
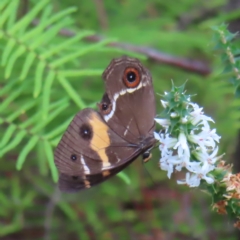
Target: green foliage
(31, 65)
(229, 51)
(47, 77)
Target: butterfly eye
(131, 77)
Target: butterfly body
(99, 144)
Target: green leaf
(10, 98)
(49, 34)
(31, 120)
(42, 23)
(22, 109)
(4, 201)
(12, 17)
(46, 93)
(25, 151)
(27, 64)
(71, 92)
(7, 87)
(50, 158)
(124, 177)
(18, 138)
(65, 44)
(7, 51)
(52, 115)
(59, 130)
(38, 78)
(7, 135)
(80, 73)
(46, 21)
(8, 11)
(41, 156)
(55, 141)
(58, 103)
(3, 4)
(28, 18)
(80, 52)
(12, 59)
(66, 208)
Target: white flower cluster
(194, 149)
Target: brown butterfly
(99, 144)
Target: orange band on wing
(100, 140)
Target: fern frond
(25, 151)
(35, 88)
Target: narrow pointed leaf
(10, 98)
(124, 177)
(7, 12)
(50, 158)
(59, 130)
(17, 139)
(25, 151)
(55, 141)
(82, 51)
(50, 33)
(58, 103)
(42, 24)
(80, 73)
(4, 201)
(28, 18)
(7, 87)
(32, 120)
(3, 3)
(12, 17)
(71, 92)
(23, 108)
(42, 161)
(16, 54)
(7, 135)
(68, 210)
(7, 50)
(38, 78)
(66, 44)
(27, 64)
(46, 93)
(51, 116)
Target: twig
(190, 65)
(152, 54)
(102, 15)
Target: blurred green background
(52, 56)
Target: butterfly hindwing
(89, 147)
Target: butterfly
(99, 144)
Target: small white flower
(202, 139)
(163, 122)
(196, 139)
(211, 133)
(191, 180)
(164, 103)
(166, 142)
(184, 120)
(182, 146)
(173, 115)
(198, 115)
